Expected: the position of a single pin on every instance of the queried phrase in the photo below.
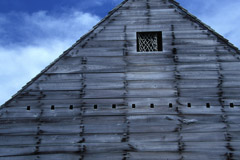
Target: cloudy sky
(35, 32)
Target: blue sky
(35, 32)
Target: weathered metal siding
(196, 66)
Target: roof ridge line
(205, 25)
(65, 52)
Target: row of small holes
(114, 106)
(52, 107)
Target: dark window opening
(133, 106)
(208, 105)
(52, 107)
(189, 105)
(95, 106)
(114, 106)
(170, 105)
(71, 107)
(28, 108)
(152, 106)
(231, 105)
(149, 41)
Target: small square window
(149, 41)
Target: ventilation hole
(231, 105)
(28, 108)
(152, 106)
(133, 106)
(174, 51)
(95, 106)
(189, 105)
(114, 106)
(71, 107)
(170, 105)
(52, 107)
(208, 105)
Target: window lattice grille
(147, 42)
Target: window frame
(159, 41)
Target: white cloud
(20, 63)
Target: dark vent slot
(189, 105)
(231, 105)
(52, 107)
(95, 106)
(152, 106)
(28, 108)
(114, 106)
(208, 105)
(71, 107)
(133, 106)
(170, 105)
(174, 51)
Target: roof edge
(65, 52)
(205, 26)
